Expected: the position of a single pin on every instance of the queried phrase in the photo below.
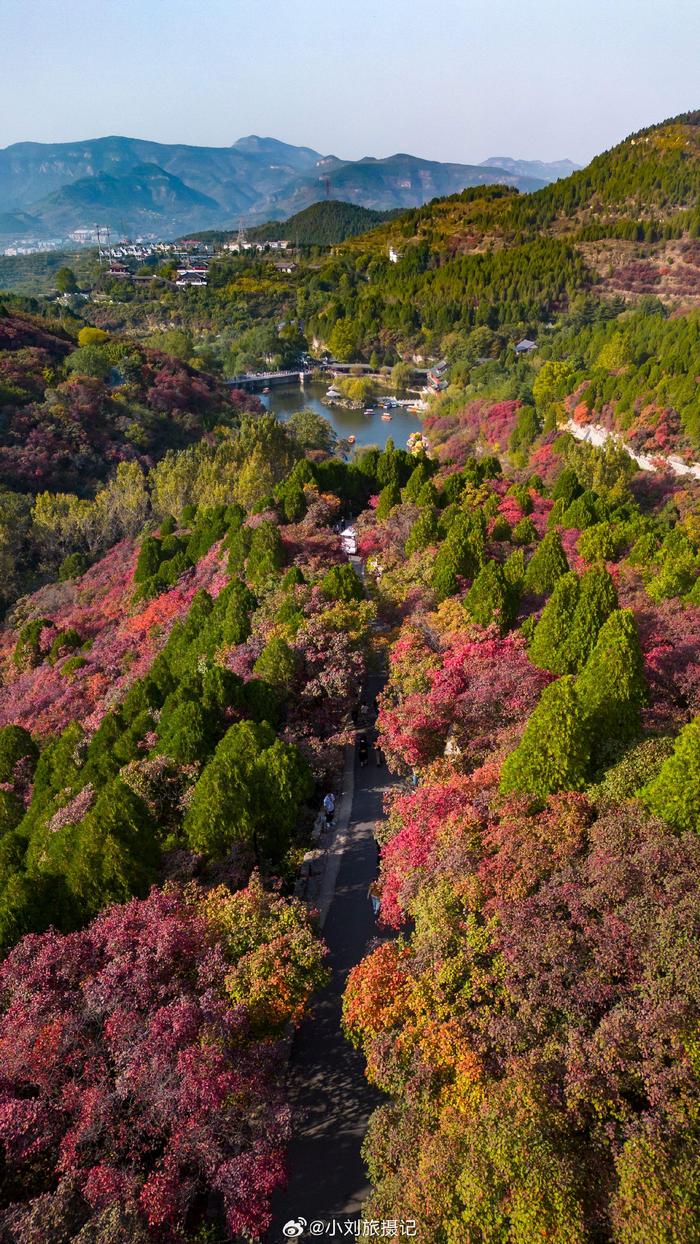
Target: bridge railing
(255, 377)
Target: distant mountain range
(136, 186)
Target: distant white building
(394, 256)
(525, 346)
(82, 236)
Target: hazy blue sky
(449, 79)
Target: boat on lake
(369, 410)
(387, 417)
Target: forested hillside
(184, 655)
(323, 224)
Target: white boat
(387, 417)
(369, 410)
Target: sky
(457, 80)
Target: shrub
(266, 555)
(63, 643)
(583, 512)
(501, 529)
(601, 542)
(148, 560)
(11, 813)
(461, 553)
(210, 527)
(522, 496)
(89, 336)
(566, 487)
(235, 605)
(72, 567)
(71, 665)
(428, 494)
(159, 1114)
(514, 570)
(639, 764)
(27, 653)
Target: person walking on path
(329, 808)
(362, 750)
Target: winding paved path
(328, 1090)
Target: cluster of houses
(241, 245)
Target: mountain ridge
(253, 180)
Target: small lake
(285, 400)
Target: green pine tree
(612, 686)
(148, 559)
(491, 598)
(423, 533)
(549, 646)
(418, 477)
(389, 497)
(674, 794)
(547, 564)
(583, 512)
(276, 664)
(554, 752)
(461, 554)
(524, 531)
(428, 494)
(514, 570)
(501, 529)
(597, 599)
(566, 487)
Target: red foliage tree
(135, 1077)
